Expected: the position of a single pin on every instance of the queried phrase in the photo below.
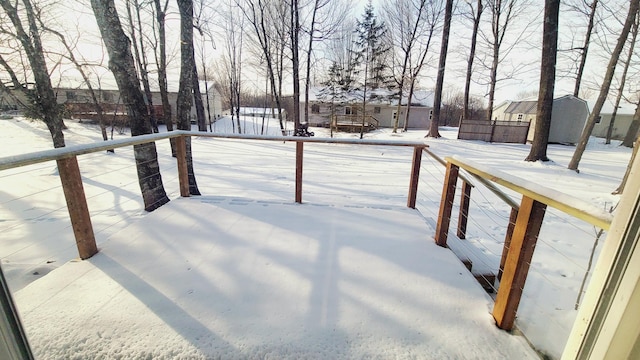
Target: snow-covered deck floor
(231, 278)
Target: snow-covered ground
(37, 236)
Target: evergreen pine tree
(371, 50)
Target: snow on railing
(560, 264)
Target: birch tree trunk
(122, 66)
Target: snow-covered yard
(243, 272)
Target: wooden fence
(494, 131)
(522, 231)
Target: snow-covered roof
(374, 96)
(521, 107)
(530, 106)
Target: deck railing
(522, 232)
(69, 170)
(354, 123)
(521, 235)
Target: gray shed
(567, 118)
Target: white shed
(567, 118)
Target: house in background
(568, 117)
(10, 99)
(380, 105)
(79, 94)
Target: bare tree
(606, 84)
(434, 13)
(185, 91)
(201, 22)
(140, 56)
(326, 17)
(27, 33)
(230, 65)
(636, 145)
(197, 96)
(123, 68)
(504, 16)
(623, 79)
(437, 98)
(632, 133)
(95, 97)
(270, 40)
(161, 62)
(476, 15)
(407, 20)
(547, 81)
(585, 47)
(294, 32)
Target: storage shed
(568, 117)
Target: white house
(380, 105)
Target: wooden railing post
(299, 153)
(516, 267)
(507, 241)
(463, 216)
(181, 157)
(77, 206)
(415, 177)
(446, 204)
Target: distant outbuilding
(568, 117)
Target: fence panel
(496, 131)
(475, 130)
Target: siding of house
(112, 97)
(419, 116)
(498, 112)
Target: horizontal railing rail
(35, 157)
(563, 202)
(72, 185)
